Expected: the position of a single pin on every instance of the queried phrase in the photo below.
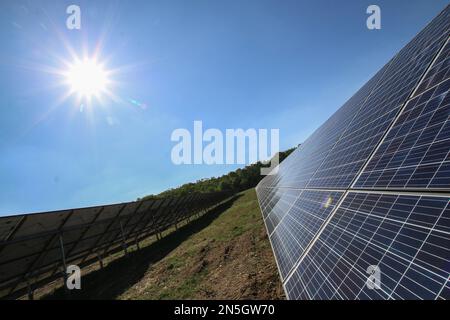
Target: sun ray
(89, 78)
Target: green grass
(224, 254)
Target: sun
(87, 78)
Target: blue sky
(232, 64)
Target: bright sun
(87, 78)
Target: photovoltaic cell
(438, 73)
(384, 159)
(300, 224)
(405, 236)
(380, 109)
(297, 170)
(415, 153)
(279, 204)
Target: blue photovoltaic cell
(299, 167)
(298, 227)
(383, 159)
(366, 130)
(417, 146)
(277, 206)
(438, 73)
(407, 237)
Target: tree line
(234, 181)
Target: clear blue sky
(232, 64)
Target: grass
(225, 254)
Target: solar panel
(437, 73)
(304, 162)
(407, 237)
(371, 187)
(300, 224)
(35, 248)
(415, 153)
(381, 107)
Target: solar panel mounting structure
(35, 249)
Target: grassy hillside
(224, 254)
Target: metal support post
(124, 245)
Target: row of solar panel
(334, 154)
(371, 187)
(30, 247)
(434, 155)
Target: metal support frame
(100, 261)
(13, 232)
(124, 244)
(105, 251)
(63, 261)
(30, 291)
(29, 271)
(151, 218)
(143, 215)
(63, 255)
(150, 221)
(94, 247)
(155, 219)
(160, 218)
(69, 252)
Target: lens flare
(328, 202)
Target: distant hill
(235, 181)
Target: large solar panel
(371, 187)
(415, 153)
(34, 248)
(406, 236)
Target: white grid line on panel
(308, 248)
(409, 191)
(335, 225)
(349, 243)
(293, 217)
(442, 289)
(346, 192)
(402, 108)
(419, 250)
(393, 253)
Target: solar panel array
(370, 188)
(35, 248)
